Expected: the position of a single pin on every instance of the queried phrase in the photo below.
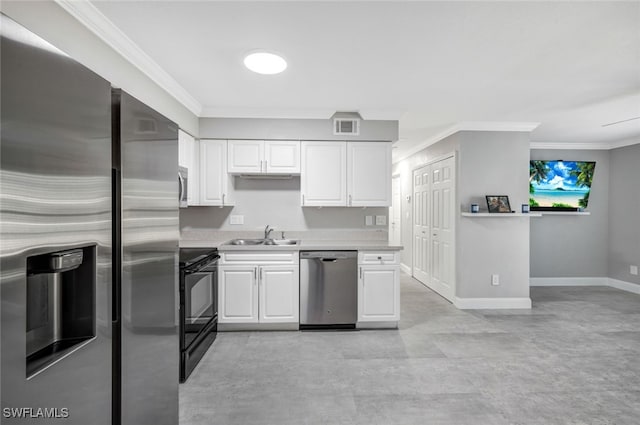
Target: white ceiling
(571, 66)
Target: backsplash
(316, 235)
(277, 203)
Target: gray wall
(493, 163)
(574, 245)
(624, 213)
(54, 24)
(487, 163)
(292, 129)
(275, 202)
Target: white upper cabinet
(245, 156)
(188, 157)
(214, 182)
(259, 157)
(368, 174)
(282, 156)
(323, 176)
(346, 174)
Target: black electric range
(198, 305)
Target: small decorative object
(475, 208)
(525, 208)
(498, 203)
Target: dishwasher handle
(328, 256)
(329, 260)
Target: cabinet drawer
(378, 257)
(259, 257)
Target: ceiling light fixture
(265, 63)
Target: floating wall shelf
(564, 212)
(501, 215)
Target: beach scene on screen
(560, 184)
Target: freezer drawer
(328, 288)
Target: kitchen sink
(246, 242)
(263, 242)
(281, 242)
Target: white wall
(55, 25)
(275, 202)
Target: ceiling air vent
(346, 127)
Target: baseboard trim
(568, 281)
(585, 281)
(625, 286)
(405, 268)
(492, 303)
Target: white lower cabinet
(378, 288)
(261, 292)
(237, 295)
(279, 294)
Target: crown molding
(584, 146)
(469, 126)
(88, 15)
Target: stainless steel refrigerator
(88, 245)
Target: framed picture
(498, 203)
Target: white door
(279, 294)
(238, 294)
(442, 225)
(395, 212)
(379, 294)
(421, 222)
(282, 156)
(323, 174)
(213, 172)
(369, 174)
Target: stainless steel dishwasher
(328, 289)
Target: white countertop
(305, 245)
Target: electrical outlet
(495, 279)
(236, 219)
(633, 270)
(368, 220)
(381, 220)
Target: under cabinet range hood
(266, 176)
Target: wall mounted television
(560, 185)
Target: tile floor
(573, 359)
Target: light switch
(381, 220)
(368, 220)
(236, 219)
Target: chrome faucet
(267, 231)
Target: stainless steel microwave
(183, 184)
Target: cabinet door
(188, 157)
(323, 174)
(379, 294)
(238, 294)
(279, 294)
(282, 157)
(246, 156)
(213, 172)
(369, 174)
(183, 155)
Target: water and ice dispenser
(61, 306)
